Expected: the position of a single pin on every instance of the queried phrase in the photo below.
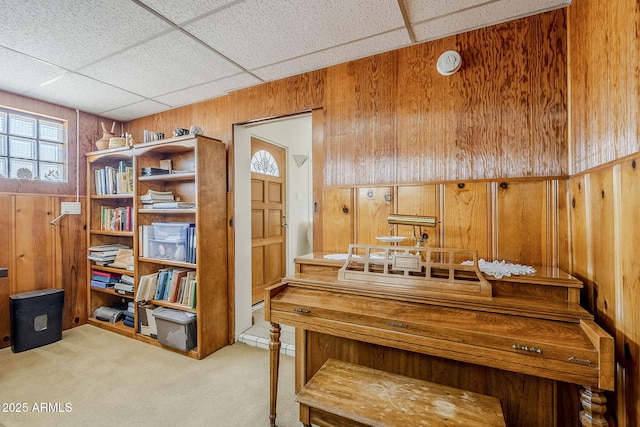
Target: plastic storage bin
(176, 328)
(170, 231)
(36, 318)
(172, 251)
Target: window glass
(32, 146)
(263, 162)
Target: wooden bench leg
(274, 358)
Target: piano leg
(274, 358)
(594, 405)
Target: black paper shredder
(36, 318)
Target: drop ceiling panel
(483, 16)
(76, 91)
(165, 64)
(207, 90)
(138, 109)
(180, 11)
(423, 10)
(70, 34)
(255, 33)
(19, 72)
(343, 53)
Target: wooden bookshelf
(202, 179)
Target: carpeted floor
(97, 378)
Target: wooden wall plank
(34, 247)
(522, 209)
(629, 336)
(338, 219)
(373, 206)
(418, 200)
(71, 263)
(6, 261)
(484, 121)
(580, 237)
(601, 204)
(466, 222)
(605, 83)
(360, 107)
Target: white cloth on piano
(500, 269)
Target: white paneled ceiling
(124, 59)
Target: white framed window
(32, 146)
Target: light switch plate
(71, 208)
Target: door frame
(240, 213)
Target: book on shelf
(145, 234)
(103, 248)
(105, 276)
(149, 171)
(102, 285)
(123, 259)
(125, 278)
(114, 180)
(123, 288)
(116, 219)
(173, 205)
(104, 254)
(147, 287)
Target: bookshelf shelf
(168, 211)
(112, 196)
(187, 176)
(202, 180)
(113, 233)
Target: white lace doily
(500, 269)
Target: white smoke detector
(449, 62)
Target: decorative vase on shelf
(103, 143)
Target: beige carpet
(97, 378)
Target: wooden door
(268, 216)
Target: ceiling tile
(344, 53)
(19, 73)
(79, 92)
(64, 34)
(162, 65)
(136, 110)
(256, 33)
(179, 11)
(483, 16)
(422, 10)
(208, 90)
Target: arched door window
(263, 162)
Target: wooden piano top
(531, 324)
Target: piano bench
(343, 394)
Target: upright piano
(423, 313)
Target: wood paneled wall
(605, 81)
(604, 195)
(514, 220)
(38, 254)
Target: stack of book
(104, 254)
(154, 196)
(129, 315)
(124, 286)
(104, 279)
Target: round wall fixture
(449, 62)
